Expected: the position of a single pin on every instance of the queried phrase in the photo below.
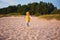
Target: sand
(15, 28)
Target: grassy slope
(48, 17)
(51, 16)
(10, 14)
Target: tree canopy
(34, 8)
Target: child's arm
(31, 17)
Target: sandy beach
(14, 28)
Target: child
(27, 18)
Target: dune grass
(48, 17)
(51, 16)
(10, 14)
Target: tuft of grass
(49, 17)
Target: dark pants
(27, 23)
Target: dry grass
(49, 17)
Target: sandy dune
(14, 28)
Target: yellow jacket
(27, 18)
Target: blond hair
(27, 13)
